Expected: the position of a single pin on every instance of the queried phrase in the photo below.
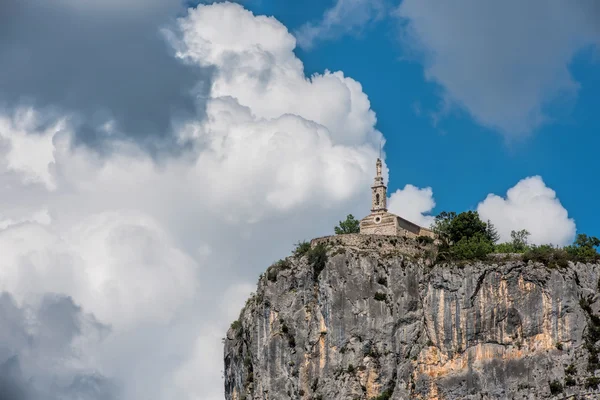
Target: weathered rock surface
(389, 326)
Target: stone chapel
(382, 222)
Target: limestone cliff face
(387, 325)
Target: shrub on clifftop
(584, 248)
(451, 227)
(518, 244)
(548, 255)
(316, 256)
(301, 248)
(350, 225)
(464, 236)
(475, 247)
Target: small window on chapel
(377, 199)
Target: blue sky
(466, 160)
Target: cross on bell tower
(379, 199)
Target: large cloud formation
(530, 205)
(162, 255)
(103, 63)
(501, 61)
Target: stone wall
(427, 232)
(383, 244)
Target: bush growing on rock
(274, 269)
(475, 247)
(592, 382)
(302, 248)
(317, 257)
(553, 257)
(237, 328)
(518, 243)
(350, 225)
(380, 296)
(584, 249)
(385, 395)
(556, 387)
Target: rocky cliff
(372, 318)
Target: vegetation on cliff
(349, 225)
(465, 236)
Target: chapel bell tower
(378, 202)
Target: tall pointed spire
(379, 195)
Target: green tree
(518, 243)
(519, 240)
(584, 240)
(477, 246)
(441, 226)
(492, 232)
(464, 236)
(584, 248)
(350, 225)
(466, 225)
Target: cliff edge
(371, 317)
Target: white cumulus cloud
(501, 61)
(258, 68)
(414, 204)
(163, 254)
(530, 205)
(119, 265)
